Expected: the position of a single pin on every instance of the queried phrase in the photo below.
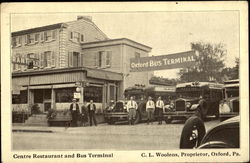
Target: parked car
(223, 135)
(229, 106)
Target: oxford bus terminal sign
(170, 61)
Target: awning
(41, 87)
(104, 75)
(64, 85)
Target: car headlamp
(224, 108)
(188, 105)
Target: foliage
(35, 109)
(209, 63)
(231, 73)
(53, 112)
(162, 81)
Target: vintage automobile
(229, 106)
(187, 103)
(117, 112)
(223, 135)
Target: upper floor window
(103, 59)
(17, 41)
(32, 60)
(50, 35)
(75, 59)
(76, 37)
(48, 59)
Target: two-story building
(55, 63)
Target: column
(53, 99)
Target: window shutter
(81, 60)
(103, 62)
(70, 59)
(110, 58)
(25, 39)
(20, 40)
(96, 59)
(71, 35)
(82, 38)
(54, 34)
(53, 59)
(41, 60)
(42, 36)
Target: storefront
(55, 89)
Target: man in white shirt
(160, 107)
(131, 108)
(150, 108)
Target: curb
(25, 130)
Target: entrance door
(47, 106)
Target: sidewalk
(45, 129)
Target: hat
(74, 99)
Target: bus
(188, 98)
(117, 111)
(229, 106)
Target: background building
(50, 62)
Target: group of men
(86, 111)
(150, 109)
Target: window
(36, 37)
(64, 95)
(108, 58)
(82, 38)
(30, 39)
(48, 59)
(38, 96)
(103, 59)
(137, 55)
(47, 36)
(74, 59)
(16, 41)
(76, 37)
(93, 93)
(32, 60)
(21, 98)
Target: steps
(36, 120)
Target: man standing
(91, 110)
(160, 107)
(84, 114)
(150, 108)
(74, 109)
(131, 107)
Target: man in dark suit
(91, 111)
(74, 109)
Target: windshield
(188, 92)
(232, 93)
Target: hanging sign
(171, 61)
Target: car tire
(192, 124)
(111, 121)
(168, 121)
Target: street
(104, 136)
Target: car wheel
(111, 121)
(168, 120)
(192, 133)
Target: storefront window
(21, 98)
(64, 95)
(112, 92)
(38, 96)
(93, 93)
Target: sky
(165, 32)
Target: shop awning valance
(104, 75)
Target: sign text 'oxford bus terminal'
(171, 61)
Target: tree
(209, 63)
(231, 73)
